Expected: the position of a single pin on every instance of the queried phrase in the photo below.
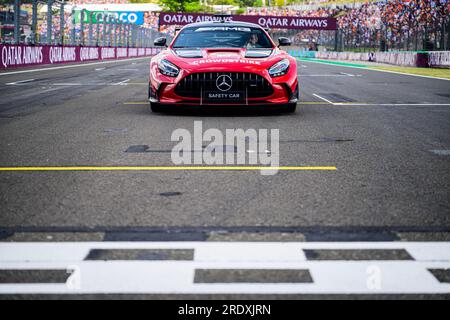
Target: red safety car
(223, 63)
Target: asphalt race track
(387, 135)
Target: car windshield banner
(272, 22)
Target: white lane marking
(122, 83)
(347, 74)
(340, 277)
(19, 82)
(322, 98)
(323, 75)
(71, 66)
(169, 277)
(66, 84)
(54, 251)
(388, 104)
(379, 70)
(100, 69)
(441, 152)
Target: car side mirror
(282, 42)
(160, 42)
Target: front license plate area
(223, 97)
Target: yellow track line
(172, 168)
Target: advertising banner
(407, 59)
(272, 22)
(124, 16)
(439, 59)
(13, 56)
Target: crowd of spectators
(395, 22)
(406, 18)
(151, 21)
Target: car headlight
(280, 68)
(168, 68)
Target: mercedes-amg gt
(223, 63)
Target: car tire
(156, 107)
(291, 108)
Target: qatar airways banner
(439, 59)
(409, 59)
(272, 22)
(21, 55)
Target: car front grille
(254, 85)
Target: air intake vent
(255, 85)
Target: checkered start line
(225, 268)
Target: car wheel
(291, 107)
(156, 107)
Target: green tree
(181, 5)
(247, 3)
(143, 1)
(225, 2)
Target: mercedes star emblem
(224, 83)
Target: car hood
(226, 59)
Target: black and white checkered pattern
(225, 267)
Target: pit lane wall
(16, 56)
(430, 59)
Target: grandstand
(363, 25)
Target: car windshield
(222, 37)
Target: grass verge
(430, 72)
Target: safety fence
(55, 22)
(14, 56)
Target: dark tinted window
(222, 37)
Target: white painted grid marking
(442, 152)
(19, 82)
(121, 83)
(172, 277)
(326, 75)
(347, 74)
(388, 104)
(322, 98)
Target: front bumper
(162, 90)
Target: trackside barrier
(14, 56)
(356, 56)
(439, 59)
(409, 59)
(302, 53)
